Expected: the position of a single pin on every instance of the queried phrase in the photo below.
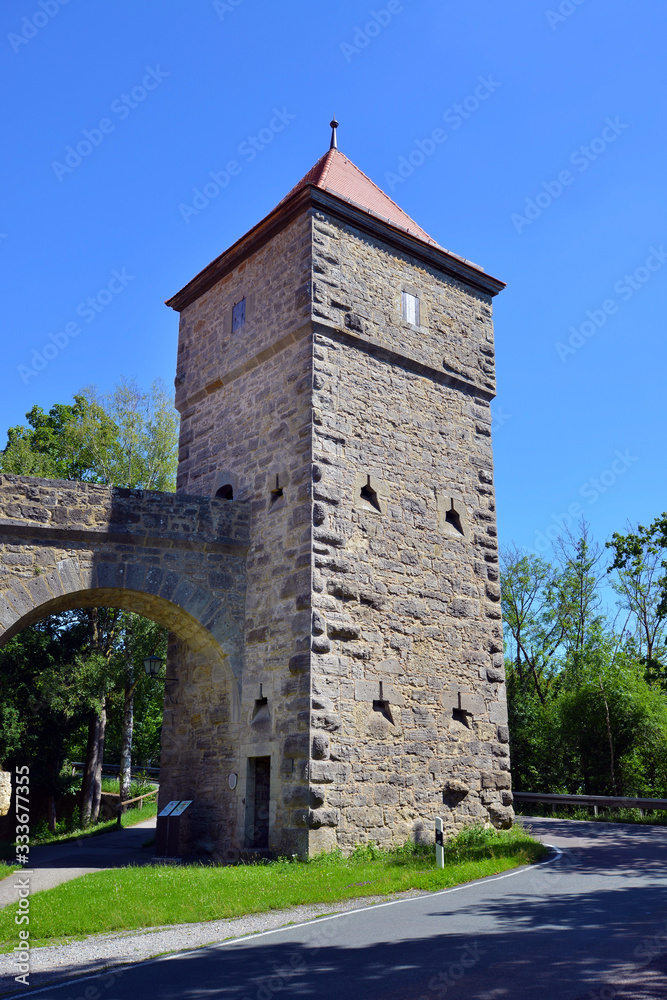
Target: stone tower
(335, 372)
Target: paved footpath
(589, 924)
(56, 863)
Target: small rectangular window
(410, 308)
(238, 316)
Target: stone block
(471, 703)
(453, 786)
(501, 816)
(385, 795)
(320, 746)
(323, 817)
(364, 817)
(498, 712)
(496, 779)
(297, 745)
(366, 690)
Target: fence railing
(119, 807)
(115, 769)
(594, 801)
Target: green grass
(158, 895)
(656, 817)
(7, 869)
(139, 784)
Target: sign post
(439, 844)
(168, 832)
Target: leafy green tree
(534, 628)
(639, 563)
(584, 714)
(614, 697)
(579, 603)
(60, 444)
(126, 438)
(48, 688)
(140, 638)
(631, 551)
(144, 451)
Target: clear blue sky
(553, 182)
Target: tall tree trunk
(51, 810)
(96, 798)
(89, 770)
(91, 792)
(610, 740)
(126, 739)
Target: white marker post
(439, 844)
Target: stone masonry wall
(357, 285)
(406, 607)
(374, 633)
(341, 614)
(179, 560)
(245, 401)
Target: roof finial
(334, 126)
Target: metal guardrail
(595, 801)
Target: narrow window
(460, 716)
(453, 517)
(382, 706)
(260, 713)
(277, 491)
(410, 308)
(368, 494)
(226, 492)
(238, 316)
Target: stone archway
(178, 560)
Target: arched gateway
(337, 674)
(179, 560)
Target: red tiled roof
(339, 176)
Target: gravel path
(57, 963)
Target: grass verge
(131, 898)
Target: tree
(144, 450)
(140, 638)
(126, 438)
(639, 562)
(584, 712)
(578, 590)
(536, 625)
(48, 688)
(60, 444)
(614, 699)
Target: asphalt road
(590, 924)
